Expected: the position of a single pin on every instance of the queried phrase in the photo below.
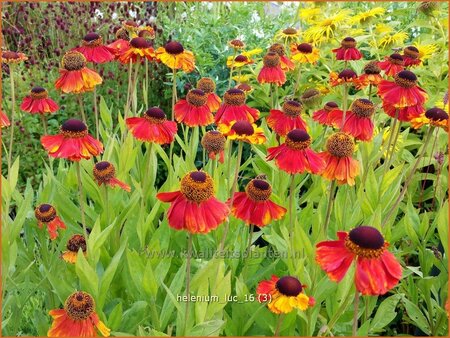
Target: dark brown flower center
(79, 306)
(234, 97)
(340, 145)
(329, 106)
(104, 171)
(238, 44)
(131, 24)
(347, 75)
(292, 108)
(363, 108)
(75, 243)
(147, 33)
(243, 128)
(289, 286)
(73, 129)
(305, 48)
(196, 97)
(271, 59)
(298, 139)
(38, 93)
(155, 115)
(372, 68)
(197, 186)
(411, 52)
(174, 48)
(405, 79)
(310, 95)
(92, 39)
(290, 31)
(277, 48)
(73, 60)
(396, 59)
(348, 42)
(244, 87)
(436, 114)
(258, 190)
(365, 241)
(45, 213)
(213, 141)
(241, 58)
(206, 84)
(139, 43)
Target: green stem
(134, 86)
(329, 207)
(188, 280)
(13, 108)
(80, 103)
(297, 82)
(422, 189)
(278, 327)
(174, 91)
(231, 69)
(81, 198)
(391, 134)
(127, 106)
(344, 102)
(355, 313)
(291, 214)
(44, 123)
(249, 242)
(97, 130)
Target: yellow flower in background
(245, 58)
(325, 29)
(396, 39)
(309, 14)
(253, 52)
(386, 135)
(382, 28)
(365, 17)
(355, 32)
(244, 78)
(287, 35)
(425, 51)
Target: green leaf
(87, 275)
(206, 329)
(385, 313)
(115, 318)
(416, 316)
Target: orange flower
(304, 53)
(152, 127)
(346, 76)
(287, 119)
(93, 49)
(294, 156)
(208, 86)
(138, 50)
(243, 131)
(358, 121)
(174, 56)
(194, 111)
(271, 71)
(46, 214)
(77, 319)
(239, 61)
(371, 76)
(214, 143)
(329, 115)
(286, 64)
(254, 206)
(75, 77)
(10, 57)
(38, 102)
(104, 173)
(283, 295)
(392, 64)
(348, 50)
(234, 108)
(377, 270)
(74, 244)
(72, 143)
(403, 91)
(339, 165)
(121, 44)
(236, 44)
(194, 207)
(435, 117)
(4, 121)
(405, 114)
(411, 56)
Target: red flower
(234, 108)
(121, 44)
(76, 77)
(392, 64)
(371, 76)
(4, 121)
(77, 319)
(339, 165)
(104, 173)
(285, 63)
(403, 91)
(411, 56)
(329, 115)
(294, 156)
(72, 143)
(194, 207)
(358, 121)
(377, 270)
(139, 49)
(93, 49)
(38, 102)
(46, 214)
(287, 119)
(348, 50)
(271, 71)
(405, 114)
(152, 127)
(347, 76)
(254, 207)
(193, 111)
(208, 86)
(214, 143)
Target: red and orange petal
(259, 213)
(134, 53)
(336, 81)
(360, 128)
(347, 54)
(73, 149)
(296, 161)
(389, 68)
(283, 124)
(114, 182)
(286, 64)
(272, 75)
(267, 288)
(213, 102)
(228, 113)
(119, 46)
(342, 169)
(257, 137)
(405, 114)
(70, 256)
(53, 226)
(410, 62)
(144, 130)
(367, 79)
(400, 97)
(77, 81)
(194, 217)
(64, 326)
(184, 60)
(4, 120)
(38, 106)
(328, 118)
(192, 115)
(212, 155)
(96, 54)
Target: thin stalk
(106, 203)
(391, 134)
(174, 91)
(188, 279)
(344, 102)
(291, 213)
(297, 82)
(13, 109)
(203, 148)
(130, 73)
(337, 315)
(422, 189)
(370, 91)
(410, 177)
(437, 186)
(329, 207)
(278, 327)
(44, 124)
(355, 313)
(81, 198)
(80, 103)
(272, 94)
(193, 149)
(146, 83)
(249, 242)
(394, 143)
(134, 86)
(231, 69)
(97, 130)
(233, 190)
(147, 169)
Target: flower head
(234, 108)
(348, 50)
(93, 49)
(435, 117)
(73, 142)
(392, 64)
(46, 214)
(239, 61)
(388, 39)
(236, 44)
(4, 121)
(366, 17)
(288, 118)
(304, 53)
(74, 244)
(286, 64)
(38, 102)
(208, 86)
(174, 56)
(194, 111)
(194, 207)
(77, 319)
(271, 71)
(310, 97)
(329, 115)
(214, 143)
(347, 76)
(104, 173)
(243, 131)
(358, 121)
(10, 57)
(288, 35)
(411, 56)
(377, 270)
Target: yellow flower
(425, 51)
(304, 53)
(243, 78)
(396, 39)
(287, 35)
(309, 14)
(243, 131)
(325, 29)
(365, 17)
(285, 304)
(382, 28)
